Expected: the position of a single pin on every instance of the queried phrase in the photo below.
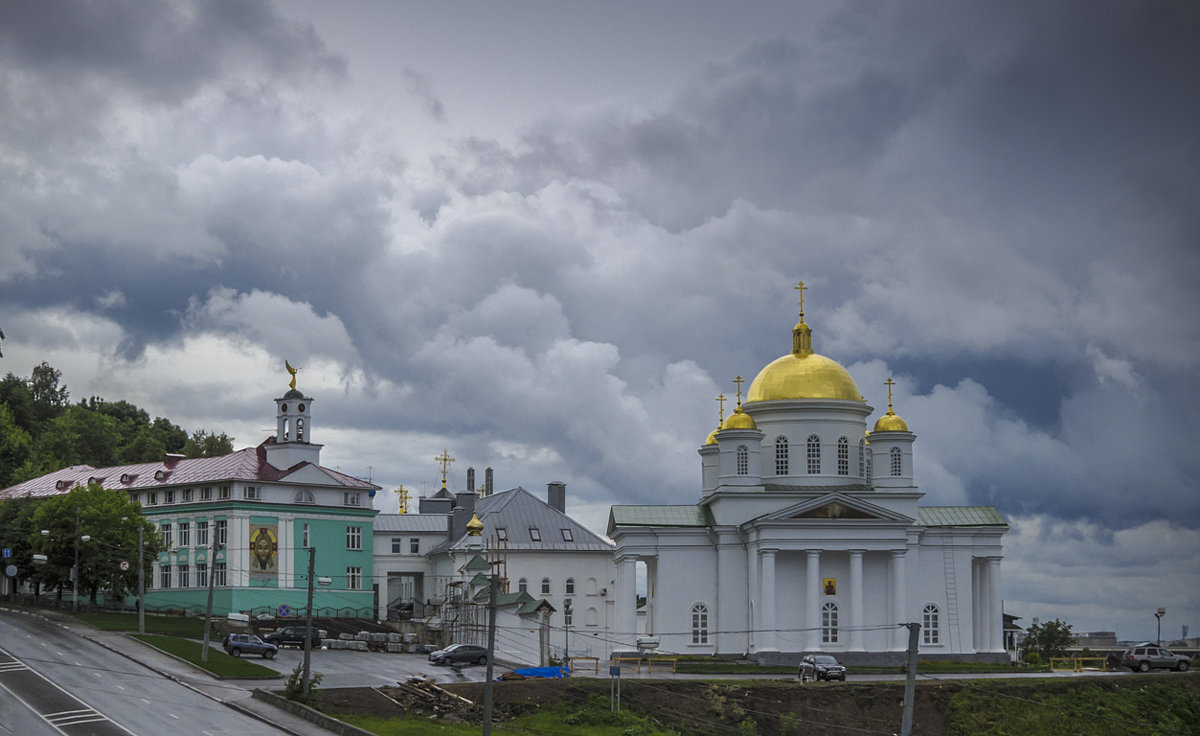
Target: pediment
(835, 507)
(310, 474)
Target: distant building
(1096, 639)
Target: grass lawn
(174, 625)
(219, 663)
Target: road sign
(7, 552)
(614, 671)
(124, 565)
(284, 611)
(11, 571)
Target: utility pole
(141, 582)
(75, 570)
(910, 682)
(491, 651)
(212, 569)
(308, 629)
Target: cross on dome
(444, 460)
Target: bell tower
(293, 429)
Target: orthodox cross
(402, 494)
(721, 400)
(482, 491)
(889, 383)
(444, 460)
(739, 381)
(800, 287)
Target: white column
(626, 602)
(856, 600)
(976, 606)
(767, 641)
(754, 615)
(899, 610)
(812, 599)
(995, 614)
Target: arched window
(699, 624)
(591, 586)
(299, 430)
(897, 465)
(843, 456)
(929, 625)
(570, 586)
(829, 623)
(522, 585)
(743, 460)
(862, 458)
(869, 466)
(287, 429)
(545, 586)
(303, 496)
(591, 619)
(781, 455)
(814, 455)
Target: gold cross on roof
(739, 381)
(721, 400)
(800, 287)
(444, 460)
(889, 383)
(403, 495)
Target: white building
(808, 536)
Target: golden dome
(891, 422)
(739, 420)
(712, 437)
(803, 376)
(474, 526)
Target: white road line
(173, 716)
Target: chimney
(487, 482)
(556, 496)
(471, 479)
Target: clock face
(301, 407)
(283, 408)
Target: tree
(15, 445)
(17, 533)
(49, 399)
(110, 520)
(203, 444)
(1049, 639)
(14, 393)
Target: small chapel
(809, 536)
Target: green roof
(476, 563)
(661, 516)
(960, 516)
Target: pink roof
(249, 464)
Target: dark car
(239, 644)
(1143, 657)
(293, 636)
(461, 653)
(821, 667)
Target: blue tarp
(547, 672)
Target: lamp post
(567, 633)
(1158, 615)
(212, 568)
(141, 583)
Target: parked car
(1144, 656)
(821, 667)
(239, 644)
(294, 636)
(466, 653)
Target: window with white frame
(185, 537)
(545, 586)
(351, 498)
(501, 534)
(829, 623)
(152, 498)
(187, 498)
(168, 539)
(535, 534)
(843, 448)
(164, 576)
(206, 493)
(781, 455)
(862, 458)
(169, 496)
(930, 631)
(397, 545)
(814, 455)
(201, 533)
(250, 493)
(869, 465)
(183, 576)
(218, 574)
(222, 532)
(226, 492)
(897, 464)
(202, 574)
(743, 460)
(567, 535)
(570, 585)
(522, 585)
(414, 546)
(699, 623)
(354, 578)
(354, 537)
(304, 495)
(305, 540)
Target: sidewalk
(237, 695)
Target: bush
(1033, 658)
(293, 689)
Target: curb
(309, 714)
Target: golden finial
(291, 370)
(800, 287)
(444, 460)
(721, 401)
(889, 383)
(403, 495)
(739, 381)
(474, 526)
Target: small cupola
(293, 428)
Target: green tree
(203, 444)
(15, 394)
(15, 446)
(172, 436)
(17, 533)
(79, 436)
(110, 521)
(49, 398)
(1048, 639)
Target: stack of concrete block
(395, 647)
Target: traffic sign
(284, 611)
(614, 671)
(11, 571)
(7, 553)
(124, 565)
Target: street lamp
(1158, 615)
(567, 633)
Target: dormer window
(160, 474)
(535, 534)
(126, 478)
(304, 496)
(567, 535)
(91, 480)
(61, 485)
(501, 534)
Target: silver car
(1145, 656)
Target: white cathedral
(808, 537)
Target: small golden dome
(891, 422)
(739, 420)
(712, 437)
(474, 526)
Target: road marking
(147, 702)
(173, 716)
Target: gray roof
(628, 516)
(960, 516)
(411, 523)
(517, 511)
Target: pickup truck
(293, 635)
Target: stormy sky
(544, 236)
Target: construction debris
(421, 695)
